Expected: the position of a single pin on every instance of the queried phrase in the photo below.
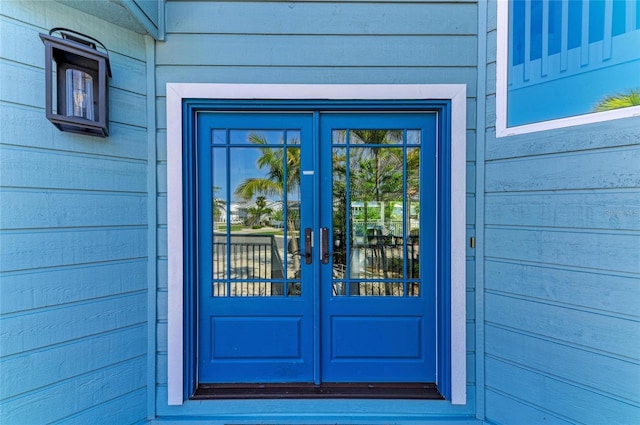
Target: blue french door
(315, 247)
(378, 207)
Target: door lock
(308, 245)
(324, 245)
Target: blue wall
(73, 247)
(561, 271)
(315, 43)
(554, 319)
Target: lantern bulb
(79, 94)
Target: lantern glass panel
(79, 87)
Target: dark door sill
(379, 390)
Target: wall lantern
(77, 95)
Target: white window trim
(502, 62)
(177, 92)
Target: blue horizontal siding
(504, 409)
(618, 133)
(23, 209)
(337, 18)
(595, 250)
(74, 283)
(558, 396)
(24, 125)
(80, 356)
(609, 168)
(561, 271)
(31, 168)
(315, 43)
(73, 247)
(68, 398)
(612, 209)
(326, 50)
(599, 371)
(30, 250)
(46, 327)
(320, 74)
(122, 410)
(589, 329)
(613, 293)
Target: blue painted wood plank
(491, 82)
(161, 171)
(599, 372)
(356, 74)
(59, 286)
(127, 108)
(36, 249)
(126, 409)
(24, 167)
(76, 395)
(25, 86)
(471, 368)
(305, 50)
(36, 16)
(559, 397)
(471, 274)
(586, 249)
(492, 42)
(21, 84)
(588, 290)
(161, 336)
(127, 74)
(161, 233)
(621, 132)
(604, 333)
(34, 331)
(602, 209)
(162, 274)
(502, 409)
(33, 209)
(161, 210)
(614, 168)
(71, 360)
(161, 368)
(161, 143)
(25, 126)
(471, 306)
(322, 18)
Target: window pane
(591, 62)
(219, 137)
(222, 217)
(291, 215)
(376, 137)
(371, 236)
(293, 137)
(339, 137)
(256, 137)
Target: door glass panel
(222, 215)
(376, 212)
(256, 179)
(219, 136)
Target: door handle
(324, 245)
(308, 245)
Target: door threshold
(379, 390)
